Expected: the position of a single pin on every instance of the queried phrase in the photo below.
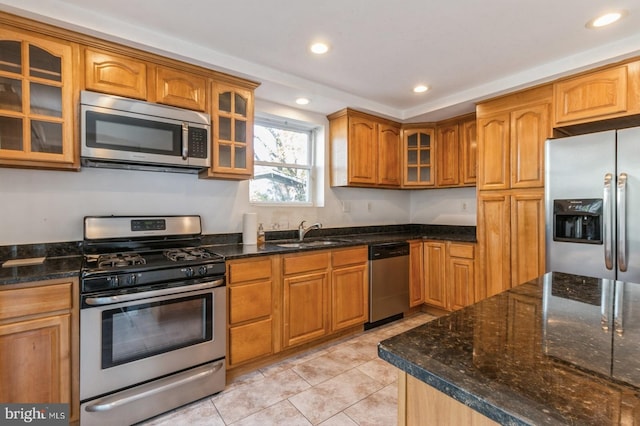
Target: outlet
(369, 206)
(463, 206)
(346, 207)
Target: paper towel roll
(249, 228)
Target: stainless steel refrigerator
(592, 202)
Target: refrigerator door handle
(608, 219)
(622, 222)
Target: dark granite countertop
(550, 351)
(64, 259)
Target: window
(282, 164)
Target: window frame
(295, 126)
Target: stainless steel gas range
(152, 318)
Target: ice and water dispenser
(578, 221)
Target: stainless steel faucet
(302, 231)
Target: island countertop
(561, 349)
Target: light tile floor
(339, 384)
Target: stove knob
(132, 279)
(202, 271)
(112, 280)
(188, 272)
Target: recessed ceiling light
(302, 101)
(420, 88)
(319, 48)
(606, 19)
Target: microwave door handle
(185, 141)
(608, 222)
(622, 222)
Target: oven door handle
(110, 300)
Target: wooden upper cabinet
(493, 151)
(37, 101)
(448, 164)
(180, 89)
(511, 135)
(530, 128)
(468, 152)
(418, 151)
(115, 74)
(388, 155)
(365, 150)
(598, 95)
(362, 150)
(232, 128)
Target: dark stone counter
(65, 259)
(561, 349)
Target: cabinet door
(494, 242)
(232, 127)
(180, 89)
(461, 282)
(36, 102)
(35, 361)
(388, 155)
(416, 274)
(115, 74)
(349, 297)
(250, 341)
(530, 127)
(597, 95)
(418, 155)
(494, 151)
(468, 152)
(304, 308)
(447, 173)
(527, 236)
(362, 150)
(435, 274)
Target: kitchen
(49, 196)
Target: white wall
(48, 206)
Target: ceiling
(464, 50)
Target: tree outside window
(282, 165)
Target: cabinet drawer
(35, 300)
(249, 301)
(249, 271)
(250, 341)
(461, 250)
(305, 263)
(349, 256)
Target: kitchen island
(560, 349)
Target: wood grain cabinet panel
(469, 152)
(416, 273)
(388, 157)
(180, 89)
(530, 128)
(435, 266)
(494, 151)
(450, 274)
(39, 345)
(250, 341)
(419, 157)
(349, 296)
(305, 307)
(448, 165)
(115, 74)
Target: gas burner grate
(119, 260)
(186, 254)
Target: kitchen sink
(303, 244)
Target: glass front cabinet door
(36, 102)
(232, 122)
(418, 157)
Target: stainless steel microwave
(119, 132)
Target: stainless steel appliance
(388, 282)
(152, 318)
(592, 196)
(118, 132)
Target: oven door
(131, 338)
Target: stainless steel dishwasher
(388, 282)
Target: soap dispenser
(261, 236)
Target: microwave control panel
(198, 142)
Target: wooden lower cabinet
(416, 273)
(251, 315)
(349, 288)
(511, 238)
(420, 405)
(450, 274)
(38, 355)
